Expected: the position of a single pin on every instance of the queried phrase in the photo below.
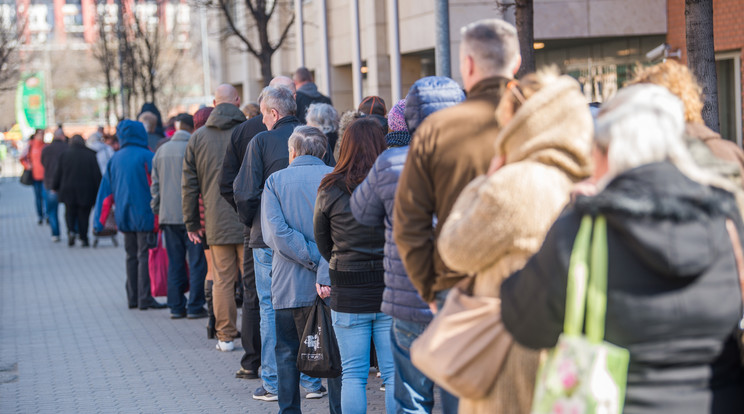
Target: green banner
(30, 102)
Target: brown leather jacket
(448, 150)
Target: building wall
(728, 33)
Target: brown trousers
(227, 262)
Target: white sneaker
(225, 346)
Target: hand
(496, 163)
(433, 307)
(195, 236)
(323, 290)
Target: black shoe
(246, 374)
(41, 221)
(132, 306)
(154, 305)
(85, 243)
(201, 313)
(70, 239)
(178, 315)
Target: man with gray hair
(287, 203)
(459, 141)
(150, 121)
(266, 154)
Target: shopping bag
(27, 178)
(318, 355)
(584, 373)
(464, 347)
(158, 265)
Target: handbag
(158, 266)
(584, 373)
(27, 178)
(464, 348)
(739, 256)
(318, 355)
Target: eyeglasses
(513, 86)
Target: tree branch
(234, 29)
(284, 34)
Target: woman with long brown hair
(355, 253)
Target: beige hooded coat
(500, 221)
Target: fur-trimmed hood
(668, 219)
(553, 127)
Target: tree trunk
(266, 68)
(524, 16)
(701, 57)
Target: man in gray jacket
(205, 154)
(287, 207)
(167, 169)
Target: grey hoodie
(167, 170)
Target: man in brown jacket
(202, 165)
(448, 150)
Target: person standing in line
(267, 153)
(126, 184)
(324, 117)
(202, 165)
(76, 182)
(307, 92)
(31, 160)
(150, 120)
(50, 157)
(287, 204)
(104, 152)
(355, 257)
(459, 141)
(372, 204)
(167, 170)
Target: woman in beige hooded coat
(500, 220)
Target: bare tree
(105, 52)
(11, 30)
(260, 13)
(524, 13)
(701, 56)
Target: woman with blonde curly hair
(680, 81)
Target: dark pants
(250, 323)
(77, 217)
(52, 203)
(138, 274)
(39, 198)
(290, 324)
(179, 248)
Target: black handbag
(318, 355)
(27, 178)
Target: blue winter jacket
(372, 201)
(126, 182)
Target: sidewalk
(68, 343)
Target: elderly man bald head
(226, 93)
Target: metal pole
(205, 54)
(324, 48)
(394, 36)
(300, 33)
(120, 37)
(356, 57)
(442, 50)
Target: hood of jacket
(310, 89)
(225, 116)
(553, 127)
(181, 135)
(667, 219)
(131, 133)
(428, 95)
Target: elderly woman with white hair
(673, 292)
(325, 118)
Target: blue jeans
(179, 248)
(414, 392)
(39, 197)
(52, 202)
(290, 324)
(262, 265)
(354, 333)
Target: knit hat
(373, 105)
(200, 116)
(397, 118)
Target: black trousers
(77, 217)
(250, 333)
(138, 272)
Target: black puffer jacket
(673, 297)
(77, 175)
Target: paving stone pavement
(68, 343)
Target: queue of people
(388, 216)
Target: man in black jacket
(267, 153)
(307, 93)
(50, 156)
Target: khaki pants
(227, 260)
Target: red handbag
(158, 265)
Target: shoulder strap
(578, 273)
(597, 293)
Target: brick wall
(728, 28)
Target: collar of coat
(490, 88)
(290, 119)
